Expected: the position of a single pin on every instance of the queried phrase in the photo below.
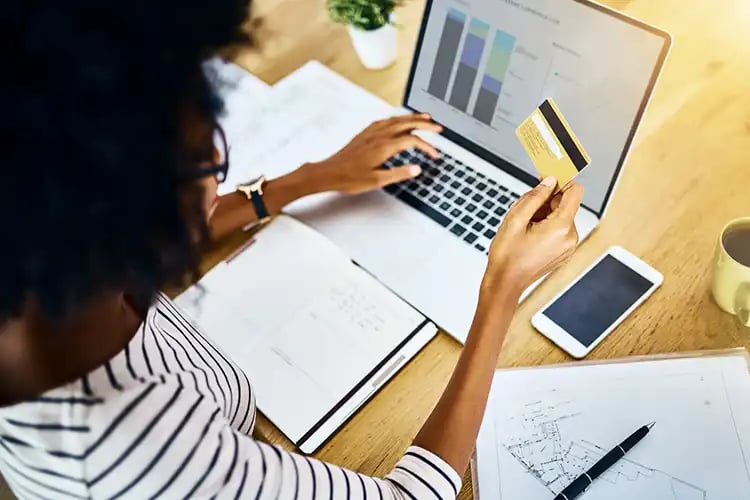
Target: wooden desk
(688, 174)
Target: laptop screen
(482, 66)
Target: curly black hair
(90, 190)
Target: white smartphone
(597, 301)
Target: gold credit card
(551, 144)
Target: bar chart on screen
(471, 65)
(494, 76)
(468, 65)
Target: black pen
(583, 481)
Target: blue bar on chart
(494, 76)
(446, 54)
(469, 64)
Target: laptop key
(479, 247)
(412, 186)
(438, 188)
(455, 212)
(488, 204)
(466, 220)
(470, 180)
(477, 197)
(459, 173)
(423, 192)
(482, 214)
(493, 222)
(515, 195)
(455, 184)
(458, 229)
(445, 205)
(459, 201)
(481, 186)
(448, 167)
(489, 234)
(449, 194)
(478, 226)
(392, 189)
(445, 178)
(492, 193)
(427, 181)
(434, 199)
(500, 211)
(466, 190)
(504, 199)
(470, 238)
(471, 207)
(423, 207)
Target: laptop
(480, 68)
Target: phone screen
(595, 301)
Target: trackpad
(388, 238)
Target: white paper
(243, 93)
(309, 115)
(304, 322)
(544, 427)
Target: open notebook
(315, 333)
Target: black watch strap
(260, 206)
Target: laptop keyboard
(465, 202)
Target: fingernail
(415, 170)
(549, 181)
(426, 115)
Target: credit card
(551, 144)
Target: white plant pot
(377, 49)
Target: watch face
(255, 185)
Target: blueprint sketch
(556, 461)
(545, 427)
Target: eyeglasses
(218, 167)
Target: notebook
(545, 426)
(317, 335)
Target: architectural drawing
(543, 450)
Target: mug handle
(742, 303)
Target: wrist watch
(254, 192)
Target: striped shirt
(171, 416)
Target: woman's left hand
(357, 167)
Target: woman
(105, 388)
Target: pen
(583, 481)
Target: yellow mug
(731, 286)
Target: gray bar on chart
(446, 54)
(462, 86)
(484, 110)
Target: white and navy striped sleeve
(165, 440)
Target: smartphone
(599, 300)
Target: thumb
(530, 203)
(397, 174)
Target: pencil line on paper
(734, 423)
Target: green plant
(363, 14)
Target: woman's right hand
(537, 235)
